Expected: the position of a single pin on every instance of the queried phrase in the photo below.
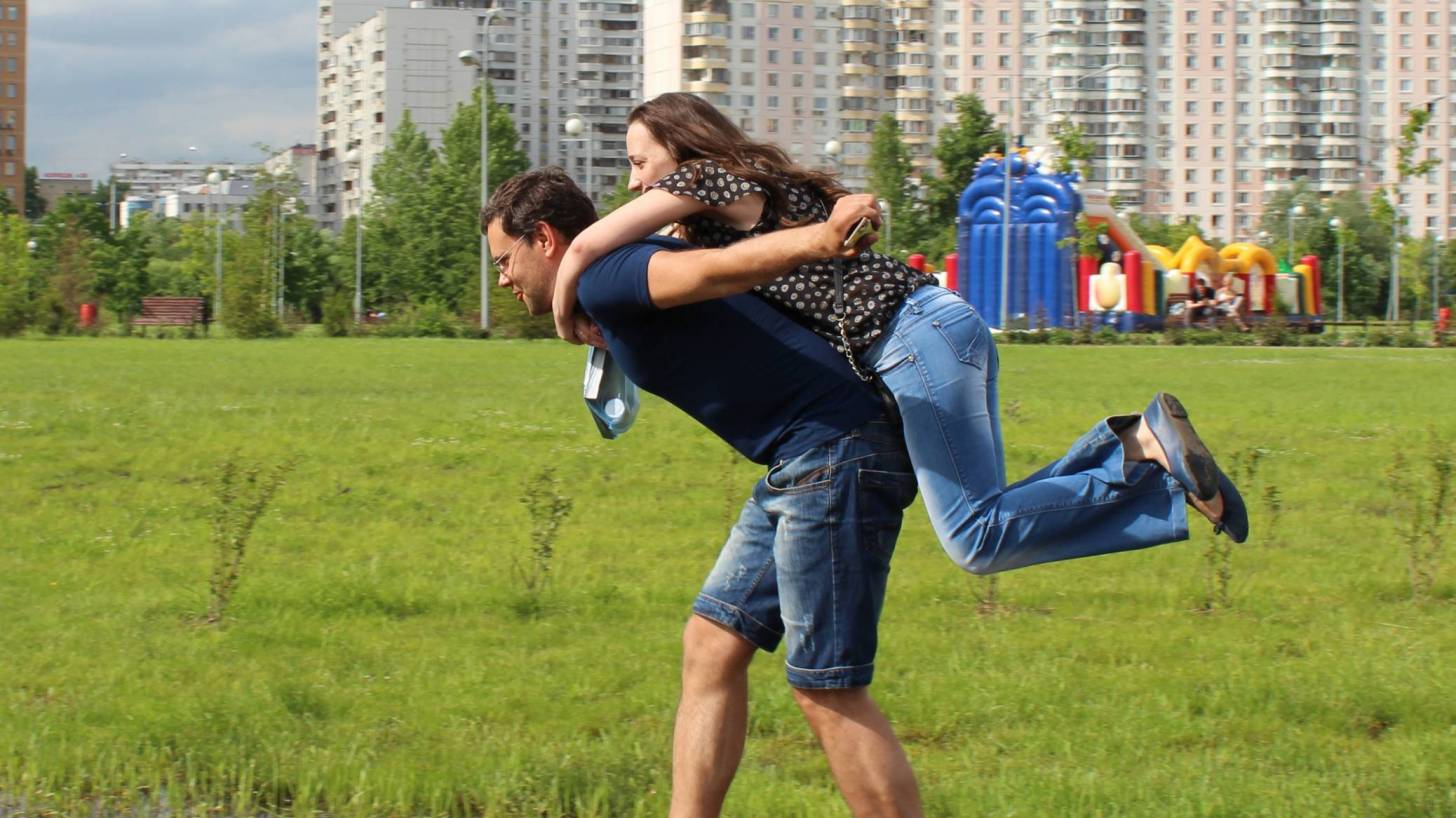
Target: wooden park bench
(178, 311)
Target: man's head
(529, 222)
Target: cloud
(164, 75)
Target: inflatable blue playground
(1128, 286)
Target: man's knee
(819, 705)
(712, 652)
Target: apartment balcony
(875, 3)
(913, 116)
(859, 69)
(705, 86)
(856, 47)
(913, 93)
(860, 91)
(719, 7)
(705, 17)
(688, 64)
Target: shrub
(338, 315)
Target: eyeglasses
(503, 259)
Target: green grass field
(382, 658)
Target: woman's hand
(587, 331)
(848, 211)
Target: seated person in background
(1200, 303)
(1227, 302)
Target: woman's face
(650, 159)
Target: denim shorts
(809, 557)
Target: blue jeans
(939, 361)
(808, 560)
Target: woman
(924, 344)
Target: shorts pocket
(807, 472)
(883, 497)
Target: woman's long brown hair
(692, 130)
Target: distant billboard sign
(82, 177)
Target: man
(808, 561)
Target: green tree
(1074, 149)
(252, 276)
(15, 277)
(123, 275)
(1170, 234)
(1309, 228)
(890, 179)
(619, 196)
(400, 220)
(67, 262)
(35, 206)
(455, 187)
(959, 148)
(507, 157)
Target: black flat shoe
(1189, 461)
(1235, 520)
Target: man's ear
(552, 243)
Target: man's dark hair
(541, 195)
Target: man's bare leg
(868, 763)
(712, 718)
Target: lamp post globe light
(1294, 212)
(214, 179)
(481, 60)
(576, 125)
(832, 149)
(1338, 225)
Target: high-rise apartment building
(548, 62)
(13, 20)
(804, 74)
(1198, 108)
(1205, 108)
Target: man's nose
(502, 281)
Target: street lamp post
(1339, 227)
(1392, 301)
(481, 59)
(1435, 280)
(576, 125)
(214, 179)
(1295, 212)
(352, 158)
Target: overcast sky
(150, 78)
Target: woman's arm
(688, 276)
(637, 219)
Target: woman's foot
(1168, 437)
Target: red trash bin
(88, 315)
(917, 261)
(1443, 319)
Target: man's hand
(842, 220)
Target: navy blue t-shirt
(765, 384)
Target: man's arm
(682, 277)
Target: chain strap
(839, 320)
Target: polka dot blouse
(874, 284)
